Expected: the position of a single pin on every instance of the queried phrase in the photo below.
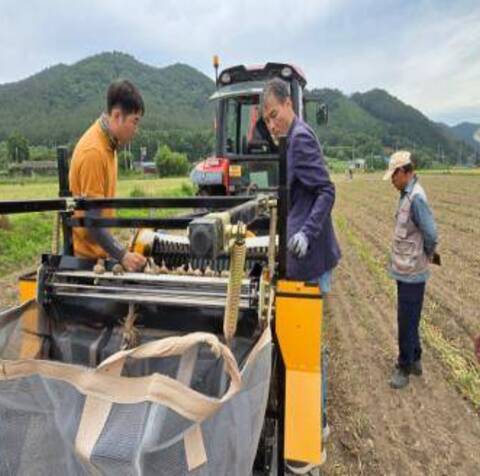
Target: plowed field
(432, 427)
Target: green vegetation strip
(30, 235)
(463, 371)
(27, 237)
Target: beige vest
(408, 254)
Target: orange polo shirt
(93, 174)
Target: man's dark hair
(126, 96)
(278, 88)
(407, 168)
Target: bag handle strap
(171, 346)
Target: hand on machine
(132, 261)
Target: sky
(425, 52)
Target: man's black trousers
(410, 302)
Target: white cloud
(442, 72)
(425, 52)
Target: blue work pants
(409, 311)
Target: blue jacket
(312, 195)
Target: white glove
(298, 245)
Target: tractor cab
(243, 143)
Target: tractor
(243, 145)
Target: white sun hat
(397, 160)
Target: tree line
(174, 152)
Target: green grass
(30, 235)
(337, 166)
(30, 189)
(475, 172)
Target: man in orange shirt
(93, 172)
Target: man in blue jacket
(312, 245)
(313, 248)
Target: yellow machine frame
(27, 287)
(31, 323)
(298, 322)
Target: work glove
(298, 245)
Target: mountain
(403, 123)
(60, 102)
(377, 122)
(468, 132)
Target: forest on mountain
(55, 106)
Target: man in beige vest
(414, 242)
